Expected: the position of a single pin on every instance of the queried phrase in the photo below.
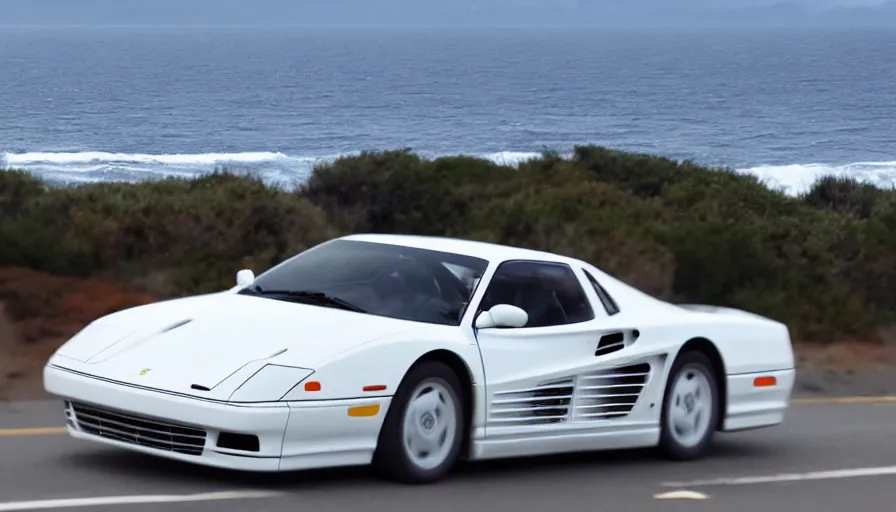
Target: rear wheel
(423, 430)
(690, 408)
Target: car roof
(484, 250)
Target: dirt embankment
(38, 312)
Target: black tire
(392, 460)
(690, 363)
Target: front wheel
(690, 408)
(423, 430)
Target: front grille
(139, 430)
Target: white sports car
(411, 352)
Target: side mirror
(502, 315)
(244, 278)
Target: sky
(427, 12)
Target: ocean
(125, 103)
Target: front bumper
(252, 437)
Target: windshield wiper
(311, 296)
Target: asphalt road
(826, 457)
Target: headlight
(270, 384)
(91, 341)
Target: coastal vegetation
(823, 262)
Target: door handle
(613, 342)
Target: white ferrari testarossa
(411, 352)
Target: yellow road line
(846, 400)
(21, 432)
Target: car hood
(204, 341)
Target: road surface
(829, 455)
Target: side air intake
(610, 343)
(544, 404)
(610, 393)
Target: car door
(550, 374)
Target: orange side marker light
(312, 386)
(364, 410)
(764, 382)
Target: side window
(548, 292)
(608, 302)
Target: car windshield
(381, 279)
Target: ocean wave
(93, 157)
(272, 167)
(798, 178)
(201, 159)
(278, 167)
(93, 166)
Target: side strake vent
(611, 393)
(541, 405)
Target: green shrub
(846, 196)
(823, 262)
(173, 236)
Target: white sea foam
(513, 158)
(798, 178)
(94, 166)
(276, 167)
(95, 157)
